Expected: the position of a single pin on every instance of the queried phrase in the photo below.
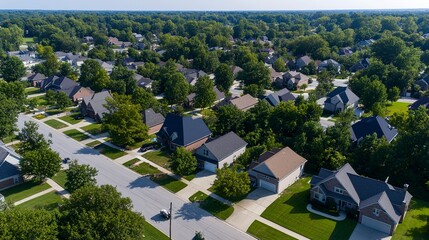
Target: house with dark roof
(423, 83)
(362, 64)
(346, 51)
(365, 43)
(277, 169)
(282, 95)
(340, 99)
(153, 120)
(423, 101)
(221, 151)
(328, 65)
(292, 79)
(93, 106)
(378, 204)
(10, 174)
(192, 75)
(219, 97)
(183, 131)
(302, 62)
(64, 84)
(370, 125)
(143, 81)
(36, 79)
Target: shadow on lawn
(142, 182)
(190, 211)
(299, 202)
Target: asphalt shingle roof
(280, 96)
(225, 145)
(370, 125)
(344, 93)
(151, 118)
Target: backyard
(290, 211)
(55, 124)
(169, 182)
(397, 107)
(211, 205)
(24, 190)
(415, 224)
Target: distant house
(378, 204)
(93, 106)
(283, 95)
(28, 61)
(302, 62)
(365, 43)
(36, 79)
(423, 83)
(183, 131)
(153, 120)
(274, 75)
(330, 64)
(292, 79)
(362, 64)
(88, 39)
(120, 44)
(139, 37)
(142, 81)
(340, 99)
(346, 51)
(64, 84)
(244, 102)
(223, 150)
(192, 75)
(10, 174)
(423, 101)
(219, 97)
(370, 125)
(236, 70)
(277, 169)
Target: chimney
(406, 186)
(387, 179)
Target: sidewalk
(60, 190)
(34, 196)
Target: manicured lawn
(264, 232)
(189, 177)
(9, 139)
(39, 116)
(24, 190)
(415, 224)
(142, 168)
(47, 201)
(32, 90)
(93, 144)
(110, 152)
(131, 162)
(40, 100)
(93, 129)
(211, 205)
(151, 233)
(161, 158)
(72, 118)
(76, 135)
(55, 124)
(168, 182)
(289, 211)
(28, 40)
(397, 107)
(60, 178)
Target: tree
(12, 97)
(124, 121)
(224, 77)
(99, 213)
(11, 37)
(204, 93)
(41, 163)
(176, 88)
(231, 183)
(375, 92)
(393, 94)
(51, 65)
(255, 73)
(126, 77)
(62, 100)
(80, 176)
(144, 98)
(229, 118)
(279, 65)
(325, 80)
(23, 223)
(67, 70)
(30, 138)
(12, 69)
(388, 49)
(93, 75)
(184, 163)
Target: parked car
(147, 147)
(166, 214)
(65, 160)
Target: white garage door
(210, 167)
(375, 224)
(267, 185)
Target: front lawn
(54, 111)
(72, 118)
(94, 129)
(264, 232)
(142, 167)
(397, 107)
(9, 139)
(151, 233)
(290, 211)
(211, 205)
(32, 90)
(415, 224)
(47, 201)
(169, 182)
(76, 135)
(60, 178)
(55, 124)
(110, 152)
(40, 100)
(93, 144)
(24, 190)
(161, 158)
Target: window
(205, 152)
(338, 190)
(376, 212)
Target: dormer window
(376, 212)
(338, 190)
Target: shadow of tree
(190, 211)
(142, 182)
(87, 151)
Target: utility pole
(171, 215)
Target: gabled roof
(36, 77)
(371, 125)
(184, 130)
(8, 169)
(383, 201)
(423, 101)
(304, 59)
(244, 102)
(97, 101)
(225, 145)
(3, 155)
(344, 94)
(280, 164)
(152, 118)
(280, 96)
(328, 62)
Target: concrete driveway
(204, 179)
(364, 232)
(258, 200)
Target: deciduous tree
(80, 176)
(93, 75)
(40, 163)
(204, 93)
(12, 69)
(224, 77)
(184, 163)
(231, 183)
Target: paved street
(148, 198)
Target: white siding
(231, 158)
(210, 167)
(375, 224)
(290, 179)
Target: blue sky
(211, 5)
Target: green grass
(55, 124)
(290, 211)
(94, 129)
(60, 178)
(415, 224)
(54, 111)
(93, 144)
(39, 116)
(211, 205)
(9, 139)
(47, 201)
(142, 167)
(169, 182)
(189, 177)
(40, 100)
(71, 118)
(264, 232)
(24, 190)
(28, 40)
(110, 152)
(131, 162)
(161, 158)
(76, 135)
(397, 107)
(151, 233)
(32, 90)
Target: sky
(212, 5)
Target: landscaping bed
(168, 182)
(55, 124)
(24, 190)
(76, 135)
(264, 232)
(94, 129)
(415, 224)
(39, 116)
(110, 152)
(211, 205)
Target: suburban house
(223, 150)
(329, 64)
(423, 83)
(64, 84)
(93, 106)
(10, 174)
(153, 120)
(340, 99)
(88, 39)
(346, 51)
(370, 125)
(236, 70)
(244, 102)
(292, 79)
(275, 76)
(283, 95)
(192, 75)
(423, 101)
(365, 43)
(277, 169)
(379, 205)
(120, 44)
(183, 131)
(36, 79)
(362, 64)
(28, 61)
(220, 96)
(143, 81)
(302, 62)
